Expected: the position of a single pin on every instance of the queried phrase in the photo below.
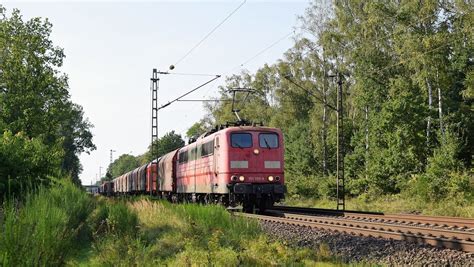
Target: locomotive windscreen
(268, 140)
(241, 140)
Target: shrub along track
(446, 232)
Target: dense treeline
(42, 132)
(407, 72)
(125, 163)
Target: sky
(112, 47)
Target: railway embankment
(373, 237)
(370, 250)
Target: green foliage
(407, 75)
(444, 177)
(299, 153)
(167, 143)
(26, 163)
(113, 219)
(196, 130)
(123, 164)
(120, 220)
(305, 186)
(46, 228)
(189, 234)
(34, 97)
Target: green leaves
(169, 142)
(408, 75)
(34, 97)
(26, 163)
(123, 164)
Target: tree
(34, 97)
(167, 143)
(196, 130)
(123, 164)
(408, 78)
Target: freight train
(239, 165)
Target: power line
(185, 74)
(213, 30)
(289, 78)
(178, 98)
(266, 48)
(204, 100)
(191, 74)
(262, 51)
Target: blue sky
(111, 49)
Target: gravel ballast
(351, 248)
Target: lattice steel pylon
(340, 148)
(154, 124)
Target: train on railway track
(235, 165)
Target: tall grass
(64, 226)
(195, 235)
(42, 229)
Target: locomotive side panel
(221, 154)
(195, 167)
(204, 166)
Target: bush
(25, 164)
(43, 229)
(444, 177)
(303, 186)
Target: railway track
(420, 220)
(447, 232)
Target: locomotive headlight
(234, 178)
(256, 151)
(277, 178)
(270, 178)
(241, 178)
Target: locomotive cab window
(241, 140)
(268, 140)
(207, 148)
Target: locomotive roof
(239, 128)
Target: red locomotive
(235, 165)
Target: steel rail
(441, 221)
(457, 244)
(417, 230)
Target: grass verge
(393, 204)
(63, 225)
(195, 235)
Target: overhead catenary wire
(266, 49)
(187, 74)
(204, 100)
(209, 34)
(189, 92)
